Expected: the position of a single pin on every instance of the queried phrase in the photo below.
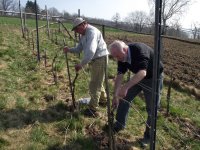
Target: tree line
(137, 21)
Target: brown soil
(101, 140)
(180, 58)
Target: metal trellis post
(156, 72)
(109, 111)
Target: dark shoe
(144, 142)
(105, 128)
(102, 103)
(91, 113)
(146, 138)
(115, 129)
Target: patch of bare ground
(101, 140)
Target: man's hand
(65, 49)
(115, 102)
(78, 67)
(123, 91)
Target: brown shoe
(91, 113)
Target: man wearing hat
(95, 54)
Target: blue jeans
(146, 86)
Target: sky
(106, 9)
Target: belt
(99, 57)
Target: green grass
(3, 143)
(1, 38)
(38, 135)
(3, 102)
(35, 114)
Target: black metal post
(28, 36)
(111, 140)
(67, 31)
(38, 46)
(156, 72)
(33, 41)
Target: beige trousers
(96, 88)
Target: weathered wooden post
(52, 36)
(47, 18)
(45, 58)
(25, 27)
(56, 40)
(79, 15)
(169, 92)
(75, 39)
(21, 16)
(33, 41)
(54, 69)
(24, 19)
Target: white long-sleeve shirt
(92, 44)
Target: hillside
(35, 110)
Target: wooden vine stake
(70, 82)
(169, 92)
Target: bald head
(118, 49)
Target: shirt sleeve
(121, 68)
(90, 48)
(76, 49)
(142, 60)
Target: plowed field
(180, 58)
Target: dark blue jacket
(141, 58)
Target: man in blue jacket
(138, 58)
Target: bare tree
(66, 15)
(195, 31)
(175, 28)
(7, 5)
(150, 22)
(198, 34)
(116, 18)
(53, 11)
(15, 6)
(137, 20)
(170, 8)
